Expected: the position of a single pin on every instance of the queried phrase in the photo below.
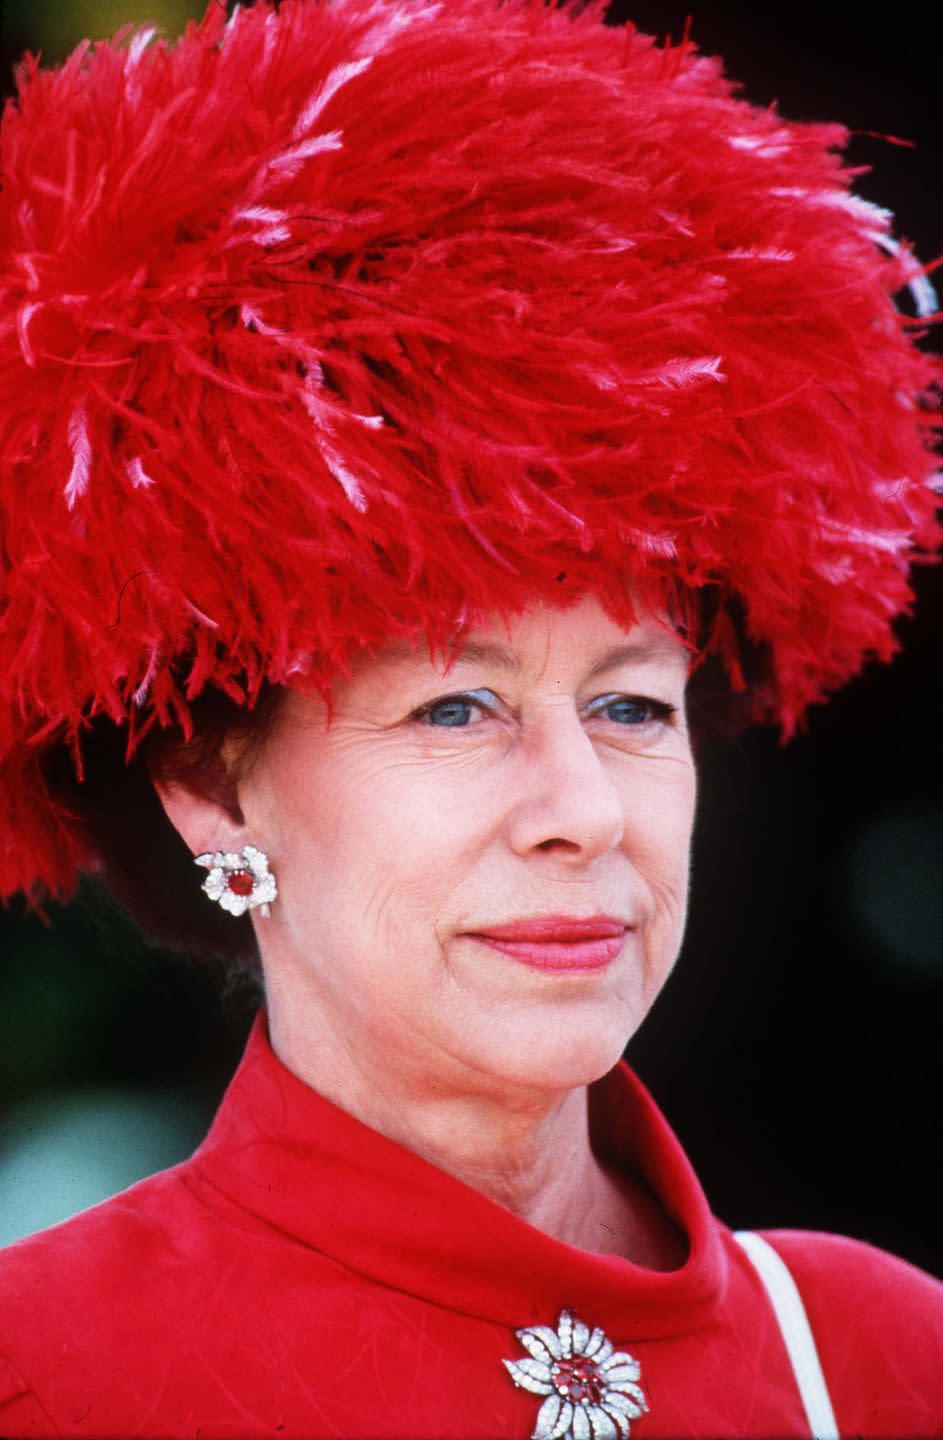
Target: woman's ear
(205, 823)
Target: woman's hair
(147, 868)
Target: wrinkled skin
(393, 835)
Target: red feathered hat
(371, 317)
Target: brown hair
(148, 870)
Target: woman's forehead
(513, 659)
(588, 642)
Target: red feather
(581, 310)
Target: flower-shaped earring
(238, 882)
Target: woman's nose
(567, 792)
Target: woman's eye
(646, 712)
(449, 705)
(635, 712)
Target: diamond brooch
(590, 1387)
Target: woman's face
(426, 812)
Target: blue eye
(450, 702)
(658, 711)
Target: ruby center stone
(241, 882)
(579, 1379)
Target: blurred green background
(796, 1047)
(56, 26)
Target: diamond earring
(238, 882)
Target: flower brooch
(591, 1388)
(238, 882)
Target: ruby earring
(238, 882)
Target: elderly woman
(410, 411)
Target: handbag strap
(794, 1323)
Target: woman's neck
(535, 1157)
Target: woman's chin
(556, 1055)
(549, 1039)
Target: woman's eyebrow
(510, 662)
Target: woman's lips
(560, 954)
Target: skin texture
(392, 836)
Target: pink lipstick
(558, 942)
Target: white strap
(794, 1323)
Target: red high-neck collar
(293, 1159)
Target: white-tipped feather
(137, 474)
(891, 540)
(296, 154)
(924, 295)
(339, 76)
(81, 455)
(685, 370)
(23, 317)
(350, 483)
(139, 44)
(836, 200)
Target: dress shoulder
(74, 1293)
(21, 1413)
(877, 1322)
(835, 1266)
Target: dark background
(795, 1049)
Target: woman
(331, 331)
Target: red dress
(301, 1275)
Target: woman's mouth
(559, 955)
